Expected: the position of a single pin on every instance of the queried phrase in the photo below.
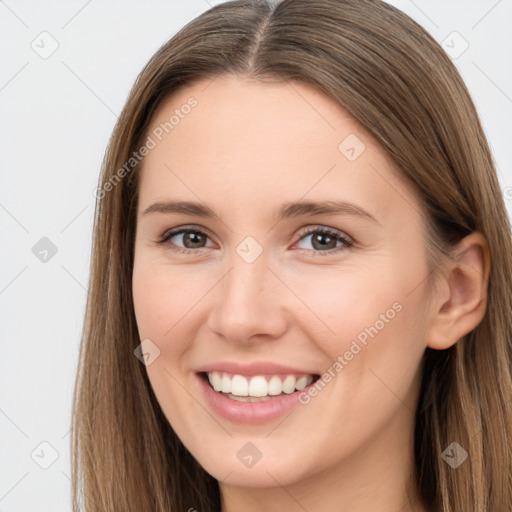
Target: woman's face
(265, 293)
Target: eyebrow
(287, 210)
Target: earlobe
(462, 304)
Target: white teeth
(301, 383)
(275, 386)
(225, 385)
(256, 387)
(239, 386)
(289, 384)
(215, 380)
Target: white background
(57, 115)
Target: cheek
(372, 318)
(158, 310)
(167, 303)
(344, 303)
(162, 296)
(162, 304)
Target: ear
(460, 298)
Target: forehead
(232, 109)
(246, 139)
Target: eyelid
(180, 229)
(172, 232)
(335, 232)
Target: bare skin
(244, 150)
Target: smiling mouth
(257, 388)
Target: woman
(300, 285)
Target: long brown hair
(396, 80)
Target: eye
(191, 238)
(325, 240)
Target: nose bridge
(247, 302)
(246, 281)
(248, 276)
(246, 287)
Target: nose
(249, 303)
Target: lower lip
(249, 412)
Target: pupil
(319, 237)
(190, 236)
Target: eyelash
(322, 230)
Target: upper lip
(256, 368)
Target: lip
(249, 412)
(252, 369)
